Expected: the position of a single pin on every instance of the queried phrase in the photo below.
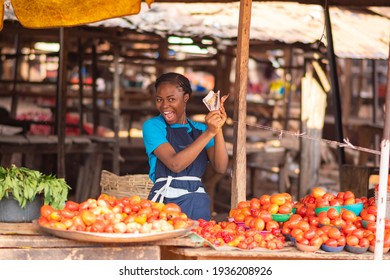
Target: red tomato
(309, 234)
(254, 203)
(331, 242)
(317, 192)
(341, 241)
(72, 206)
(364, 242)
(348, 195)
(334, 233)
(265, 199)
(359, 232)
(352, 240)
(316, 241)
(259, 224)
(46, 210)
(172, 207)
(67, 213)
(332, 213)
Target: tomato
(332, 213)
(271, 225)
(172, 207)
(285, 208)
(371, 226)
(243, 204)
(321, 202)
(46, 210)
(265, 199)
(67, 213)
(359, 232)
(255, 203)
(72, 206)
(341, 241)
(324, 221)
(348, 195)
(352, 240)
(386, 240)
(303, 225)
(55, 215)
(334, 233)
(318, 192)
(98, 226)
(350, 201)
(364, 242)
(278, 199)
(316, 241)
(273, 208)
(265, 215)
(309, 234)
(331, 242)
(88, 217)
(348, 229)
(259, 224)
(348, 215)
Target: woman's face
(171, 103)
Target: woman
(179, 149)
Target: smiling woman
(179, 149)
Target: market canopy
(65, 13)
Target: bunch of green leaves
(24, 185)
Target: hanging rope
(346, 144)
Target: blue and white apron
(184, 188)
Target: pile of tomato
(108, 214)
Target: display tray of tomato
(102, 237)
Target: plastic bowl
(306, 248)
(318, 210)
(327, 248)
(371, 248)
(356, 249)
(281, 217)
(365, 223)
(355, 208)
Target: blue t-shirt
(154, 133)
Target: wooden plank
(105, 253)
(287, 253)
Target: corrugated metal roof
(356, 34)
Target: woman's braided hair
(175, 78)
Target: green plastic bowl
(318, 210)
(355, 208)
(281, 217)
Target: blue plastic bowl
(356, 249)
(355, 208)
(327, 248)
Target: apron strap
(167, 191)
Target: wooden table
(24, 241)
(289, 252)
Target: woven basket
(125, 186)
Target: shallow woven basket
(125, 186)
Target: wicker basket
(125, 186)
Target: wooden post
(15, 95)
(383, 173)
(116, 109)
(313, 104)
(335, 87)
(61, 102)
(240, 88)
(96, 115)
(81, 86)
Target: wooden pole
(116, 109)
(81, 86)
(383, 174)
(335, 87)
(61, 103)
(240, 88)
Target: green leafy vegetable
(24, 184)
